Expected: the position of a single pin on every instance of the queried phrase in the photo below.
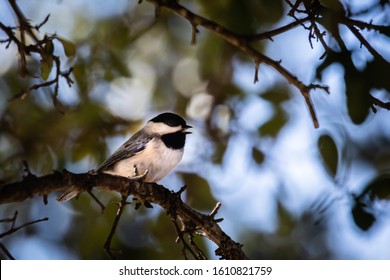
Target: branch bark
(171, 202)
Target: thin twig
(214, 212)
(6, 252)
(379, 103)
(272, 33)
(200, 254)
(107, 244)
(364, 42)
(102, 207)
(195, 31)
(180, 238)
(38, 26)
(363, 25)
(14, 229)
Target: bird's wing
(131, 147)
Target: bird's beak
(185, 129)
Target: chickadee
(151, 153)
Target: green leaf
(286, 220)
(258, 155)
(357, 91)
(374, 74)
(333, 5)
(47, 59)
(69, 47)
(379, 188)
(220, 149)
(46, 66)
(276, 95)
(49, 47)
(198, 192)
(358, 84)
(214, 51)
(363, 219)
(117, 67)
(329, 154)
(274, 125)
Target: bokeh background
(288, 190)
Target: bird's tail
(67, 195)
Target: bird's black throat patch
(174, 140)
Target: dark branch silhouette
(13, 229)
(193, 222)
(44, 47)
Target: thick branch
(32, 186)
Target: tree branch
(207, 225)
(242, 42)
(43, 47)
(379, 103)
(13, 229)
(364, 42)
(277, 31)
(107, 244)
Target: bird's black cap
(170, 119)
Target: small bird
(149, 154)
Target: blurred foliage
(146, 50)
(329, 154)
(359, 83)
(243, 17)
(302, 237)
(199, 198)
(276, 96)
(363, 210)
(275, 124)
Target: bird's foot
(140, 177)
